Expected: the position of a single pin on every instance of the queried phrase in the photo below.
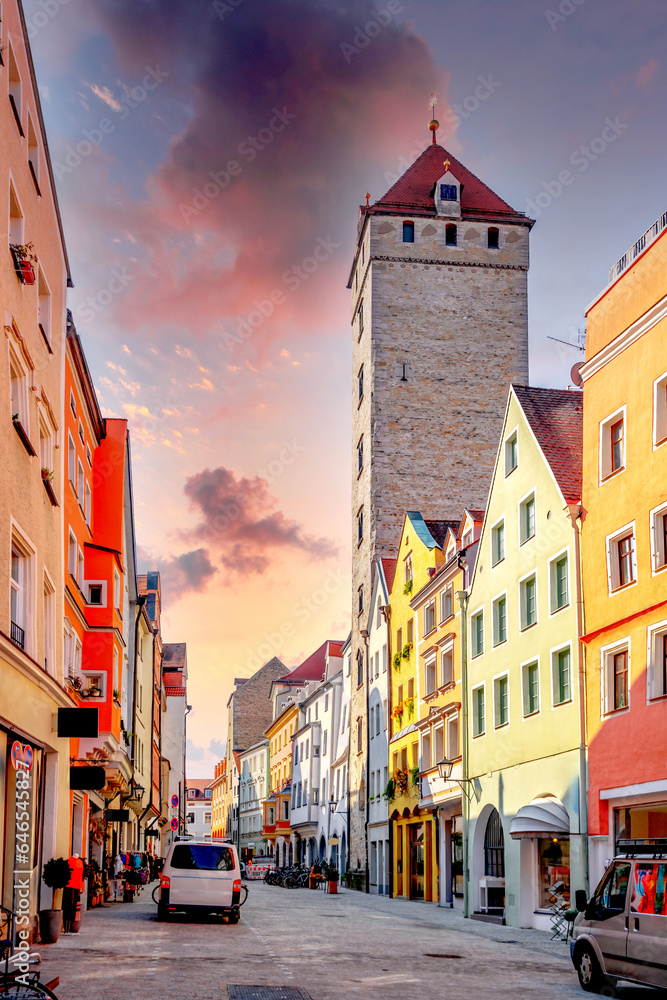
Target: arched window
(494, 846)
(493, 238)
(360, 668)
(408, 232)
(450, 235)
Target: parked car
(621, 932)
(259, 865)
(200, 876)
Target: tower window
(450, 235)
(360, 527)
(408, 232)
(360, 455)
(448, 192)
(360, 381)
(493, 238)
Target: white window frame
(447, 650)
(71, 460)
(72, 402)
(521, 510)
(482, 732)
(607, 654)
(15, 86)
(495, 620)
(658, 523)
(96, 583)
(604, 444)
(473, 634)
(532, 662)
(553, 655)
(20, 381)
(80, 484)
(28, 586)
(44, 302)
(660, 411)
(613, 562)
(16, 220)
(72, 547)
(552, 582)
(88, 675)
(513, 434)
(49, 625)
(431, 665)
(80, 568)
(653, 633)
(523, 625)
(430, 606)
(447, 593)
(503, 675)
(451, 719)
(426, 760)
(116, 589)
(500, 523)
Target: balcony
(17, 635)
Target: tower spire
(433, 124)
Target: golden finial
(446, 165)
(433, 124)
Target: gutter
(574, 511)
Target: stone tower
(439, 320)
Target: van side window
(649, 892)
(611, 893)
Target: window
(71, 553)
(426, 760)
(478, 712)
(361, 319)
(450, 235)
(16, 222)
(79, 567)
(659, 538)
(407, 569)
(408, 232)
(89, 456)
(72, 402)
(360, 383)
(411, 632)
(81, 431)
(498, 543)
(561, 675)
(15, 88)
(315, 796)
(45, 445)
(500, 620)
(33, 153)
(359, 736)
(559, 584)
(360, 527)
(385, 658)
(528, 600)
(657, 668)
(88, 504)
(44, 307)
(17, 597)
(19, 392)
(492, 238)
(511, 453)
(501, 706)
(116, 589)
(453, 750)
(612, 444)
(621, 564)
(49, 626)
(447, 665)
(616, 671)
(448, 192)
(660, 410)
(71, 461)
(360, 455)
(527, 519)
(446, 604)
(429, 617)
(360, 668)
(80, 483)
(94, 683)
(530, 682)
(430, 671)
(477, 633)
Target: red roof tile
(414, 191)
(335, 647)
(174, 692)
(389, 567)
(439, 529)
(476, 515)
(312, 669)
(555, 416)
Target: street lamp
(445, 771)
(333, 805)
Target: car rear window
(203, 857)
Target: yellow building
(439, 718)
(624, 544)
(414, 874)
(277, 807)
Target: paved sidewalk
(347, 945)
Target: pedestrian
(72, 893)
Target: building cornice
(449, 263)
(625, 339)
(30, 669)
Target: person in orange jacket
(72, 893)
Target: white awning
(543, 817)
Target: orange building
(624, 549)
(219, 788)
(277, 808)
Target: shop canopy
(543, 817)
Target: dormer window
(448, 192)
(450, 235)
(408, 232)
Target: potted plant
(397, 713)
(56, 874)
(389, 794)
(47, 475)
(23, 261)
(401, 781)
(414, 774)
(397, 661)
(409, 703)
(93, 691)
(406, 651)
(331, 875)
(407, 589)
(116, 696)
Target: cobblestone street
(348, 945)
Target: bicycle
(15, 985)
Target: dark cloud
(218, 748)
(240, 522)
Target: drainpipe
(364, 635)
(386, 614)
(574, 511)
(150, 794)
(463, 597)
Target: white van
(203, 876)
(621, 932)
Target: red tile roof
(439, 529)
(174, 655)
(389, 567)
(413, 193)
(199, 783)
(555, 416)
(174, 692)
(312, 669)
(476, 515)
(335, 647)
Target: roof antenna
(433, 124)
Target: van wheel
(162, 912)
(588, 970)
(233, 918)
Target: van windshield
(203, 857)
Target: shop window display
(554, 867)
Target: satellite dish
(575, 374)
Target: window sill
(46, 339)
(621, 589)
(501, 642)
(559, 704)
(500, 561)
(611, 475)
(524, 541)
(508, 474)
(610, 712)
(25, 440)
(503, 725)
(557, 611)
(50, 493)
(360, 402)
(445, 620)
(527, 628)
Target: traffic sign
(174, 824)
(174, 801)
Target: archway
(323, 847)
(343, 855)
(494, 864)
(290, 854)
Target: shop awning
(543, 817)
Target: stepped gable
(413, 193)
(556, 419)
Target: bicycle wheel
(156, 893)
(24, 991)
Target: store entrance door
(416, 837)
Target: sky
(210, 160)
